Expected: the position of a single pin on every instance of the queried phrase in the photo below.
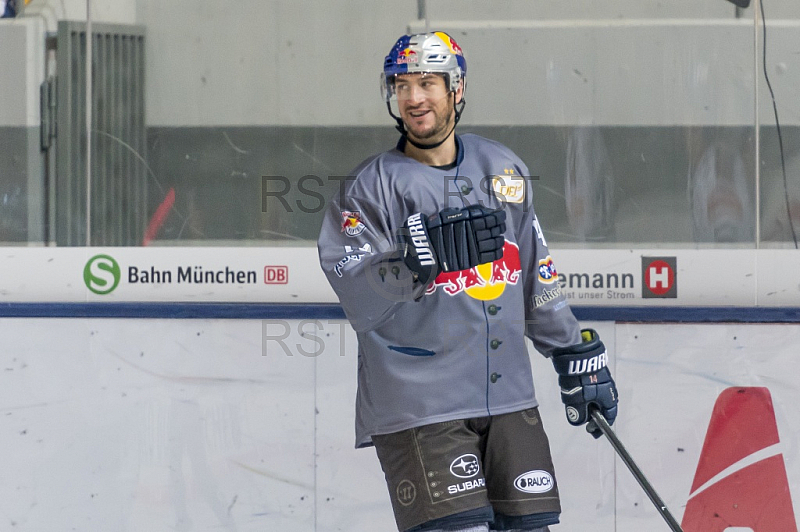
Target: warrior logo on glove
(588, 365)
(452, 240)
(419, 239)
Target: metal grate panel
(118, 149)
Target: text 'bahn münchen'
(190, 274)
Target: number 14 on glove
(585, 380)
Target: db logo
(741, 478)
(276, 274)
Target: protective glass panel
(779, 119)
(24, 70)
(636, 119)
(637, 124)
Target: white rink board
(161, 425)
(669, 377)
(598, 277)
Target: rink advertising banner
(616, 277)
(162, 275)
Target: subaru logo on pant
(534, 482)
(465, 466)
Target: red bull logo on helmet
(450, 42)
(406, 56)
(485, 281)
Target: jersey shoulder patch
(509, 188)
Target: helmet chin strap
(402, 128)
(425, 146)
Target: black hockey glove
(453, 240)
(586, 381)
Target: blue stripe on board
(241, 311)
(689, 314)
(330, 311)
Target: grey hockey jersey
(454, 348)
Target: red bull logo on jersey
(547, 270)
(352, 224)
(485, 281)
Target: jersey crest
(509, 188)
(352, 224)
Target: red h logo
(741, 478)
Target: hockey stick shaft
(603, 425)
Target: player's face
(425, 105)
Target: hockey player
(441, 266)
